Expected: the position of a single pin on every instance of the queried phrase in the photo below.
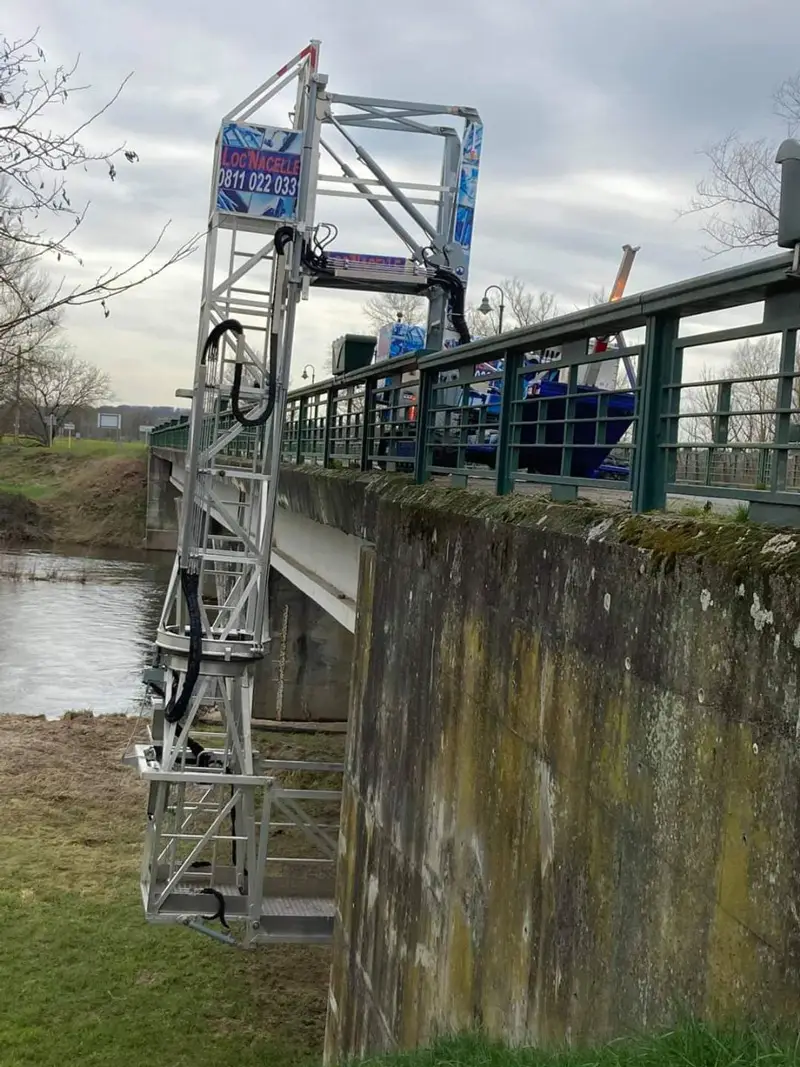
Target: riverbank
(94, 493)
(691, 1045)
(92, 982)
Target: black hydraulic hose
(234, 849)
(211, 347)
(238, 414)
(456, 302)
(283, 237)
(220, 912)
(190, 583)
(178, 705)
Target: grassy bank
(85, 979)
(689, 1046)
(91, 494)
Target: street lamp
(485, 307)
(304, 375)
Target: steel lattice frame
(228, 509)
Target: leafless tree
(58, 384)
(386, 307)
(752, 401)
(528, 306)
(739, 196)
(19, 344)
(523, 307)
(37, 216)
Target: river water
(77, 628)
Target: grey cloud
(615, 86)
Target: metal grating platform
(299, 907)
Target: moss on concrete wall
(571, 805)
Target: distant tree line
(32, 421)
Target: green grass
(90, 983)
(32, 490)
(85, 446)
(741, 513)
(84, 979)
(88, 447)
(93, 493)
(692, 1045)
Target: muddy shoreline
(47, 498)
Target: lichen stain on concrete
(546, 805)
(572, 833)
(372, 891)
(599, 531)
(780, 544)
(761, 616)
(731, 959)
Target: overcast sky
(594, 113)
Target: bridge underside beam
(320, 560)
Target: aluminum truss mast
(214, 804)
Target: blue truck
(466, 420)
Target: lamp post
(306, 369)
(485, 307)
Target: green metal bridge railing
(677, 430)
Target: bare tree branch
(35, 161)
(59, 384)
(22, 289)
(523, 307)
(786, 103)
(393, 307)
(752, 400)
(739, 197)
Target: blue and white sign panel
(468, 189)
(259, 171)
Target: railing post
(367, 421)
(720, 425)
(326, 440)
(662, 364)
(421, 474)
(504, 469)
(783, 418)
(302, 416)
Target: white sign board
(145, 429)
(68, 426)
(108, 420)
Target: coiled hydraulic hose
(283, 237)
(178, 705)
(456, 301)
(190, 582)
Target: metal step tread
(272, 907)
(301, 907)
